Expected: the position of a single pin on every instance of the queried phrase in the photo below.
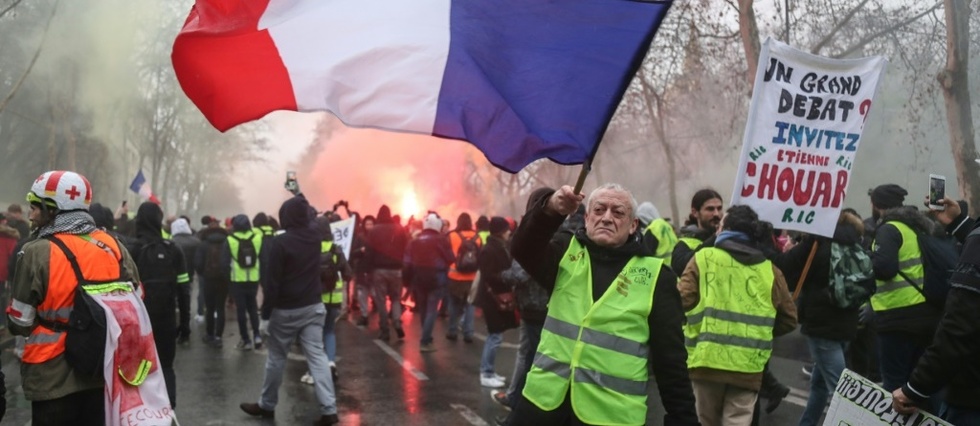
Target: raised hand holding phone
(292, 185)
(937, 192)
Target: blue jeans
(459, 307)
(245, 302)
(432, 307)
(490, 353)
(828, 364)
(329, 335)
(285, 326)
(530, 337)
(962, 416)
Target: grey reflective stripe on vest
(596, 338)
(905, 264)
(723, 339)
(731, 316)
(897, 285)
(623, 386)
(55, 315)
(42, 338)
(592, 377)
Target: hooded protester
(166, 286)
(261, 222)
(242, 254)
(213, 277)
(495, 298)
(658, 234)
(183, 236)
(385, 251)
(291, 264)
(362, 280)
(461, 312)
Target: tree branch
(833, 32)
(20, 81)
(886, 31)
(12, 5)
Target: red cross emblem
(73, 192)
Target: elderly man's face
(609, 218)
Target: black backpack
(468, 254)
(248, 255)
(85, 331)
(157, 264)
(213, 269)
(939, 258)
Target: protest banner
(343, 234)
(859, 401)
(803, 131)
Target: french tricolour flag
(142, 187)
(520, 79)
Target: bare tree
(954, 80)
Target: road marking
(469, 415)
(793, 399)
(483, 337)
(398, 358)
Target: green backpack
(851, 275)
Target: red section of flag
(227, 67)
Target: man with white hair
(614, 312)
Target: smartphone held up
(292, 185)
(937, 191)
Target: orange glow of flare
(410, 205)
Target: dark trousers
(245, 302)
(165, 337)
(85, 408)
(215, 294)
(898, 353)
(862, 354)
(528, 414)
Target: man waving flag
(519, 79)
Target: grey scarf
(76, 222)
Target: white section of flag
(388, 70)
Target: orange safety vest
(455, 241)
(44, 344)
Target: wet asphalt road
(380, 383)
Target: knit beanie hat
(888, 196)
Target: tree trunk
(749, 30)
(954, 81)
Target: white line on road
(398, 358)
(793, 399)
(483, 337)
(469, 415)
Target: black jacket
(818, 315)
(427, 260)
(919, 320)
(385, 243)
(953, 360)
(538, 248)
(290, 262)
(210, 237)
(190, 245)
(149, 223)
(493, 260)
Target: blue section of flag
(529, 79)
(138, 182)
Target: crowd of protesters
(603, 290)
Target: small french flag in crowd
(142, 187)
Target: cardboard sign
(343, 234)
(804, 128)
(859, 401)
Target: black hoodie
(385, 243)
(291, 261)
(160, 281)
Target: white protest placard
(859, 401)
(803, 131)
(343, 234)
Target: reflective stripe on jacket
(597, 350)
(731, 327)
(897, 292)
(238, 273)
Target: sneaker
(501, 398)
(499, 377)
(199, 319)
(776, 398)
(491, 382)
(400, 333)
(362, 322)
(468, 339)
(307, 378)
(500, 420)
(244, 345)
(217, 343)
(258, 342)
(452, 337)
(429, 347)
(254, 409)
(327, 420)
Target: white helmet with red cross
(61, 189)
